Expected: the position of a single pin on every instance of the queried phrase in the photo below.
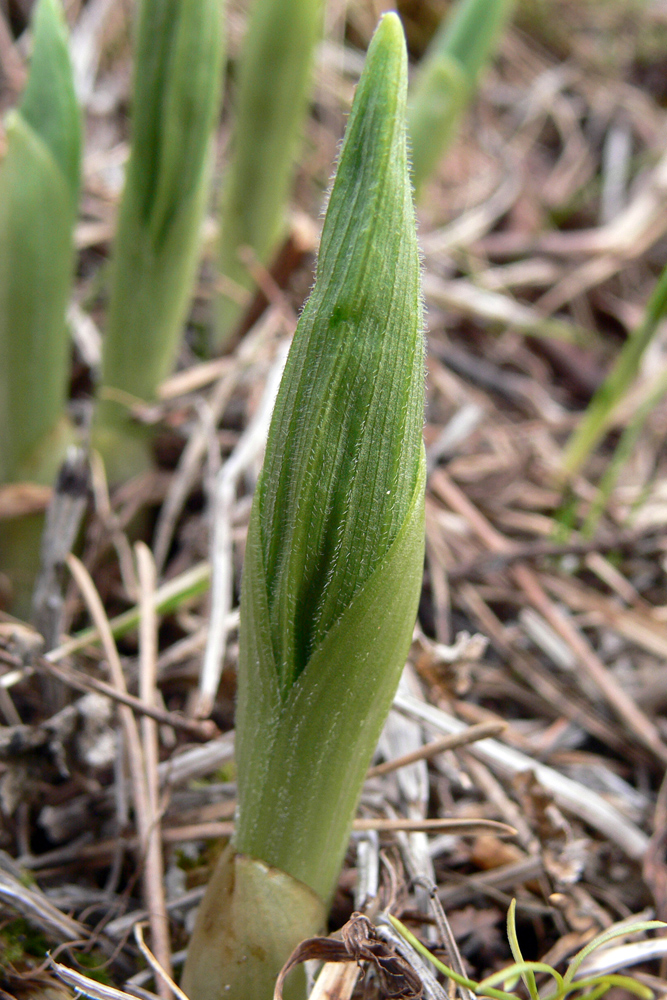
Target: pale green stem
(156, 252)
(447, 76)
(275, 74)
(39, 183)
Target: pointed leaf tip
(345, 445)
(388, 47)
(390, 30)
(49, 104)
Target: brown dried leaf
(359, 942)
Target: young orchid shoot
(334, 558)
(177, 84)
(447, 77)
(39, 188)
(275, 73)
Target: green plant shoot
(622, 454)
(599, 414)
(447, 77)
(176, 97)
(274, 83)
(334, 557)
(39, 186)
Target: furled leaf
(35, 274)
(447, 76)
(335, 546)
(275, 71)
(334, 556)
(39, 179)
(343, 454)
(49, 104)
(176, 98)
(299, 783)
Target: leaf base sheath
(250, 919)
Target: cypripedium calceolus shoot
(177, 82)
(39, 186)
(275, 72)
(447, 76)
(334, 559)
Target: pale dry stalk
(153, 865)
(135, 752)
(435, 747)
(619, 700)
(253, 345)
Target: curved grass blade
(644, 925)
(599, 985)
(469, 984)
(592, 987)
(528, 977)
(525, 970)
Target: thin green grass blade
(469, 984)
(607, 982)
(525, 970)
(622, 454)
(593, 987)
(447, 77)
(528, 977)
(600, 410)
(598, 991)
(176, 97)
(169, 597)
(274, 83)
(644, 925)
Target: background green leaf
(275, 70)
(176, 96)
